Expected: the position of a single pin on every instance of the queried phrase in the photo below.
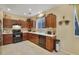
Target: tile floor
(26, 48)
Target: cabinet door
(29, 24)
(35, 39)
(23, 24)
(53, 21)
(7, 39)
(50, 21)
(7, 23)
(19, 22)
(24, 35)
(50, 43)
(29, 35)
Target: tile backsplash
(42, 30)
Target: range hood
(17, 27)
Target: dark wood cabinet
(29, 36)
(24, 36)
(7, 23)
(7, 39)
(50, 43)
(29, 24)
(23, 24)
(16, 22)
(33, 38)
(43, 41)
(50, 21)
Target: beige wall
(69, 43)
(1, 18)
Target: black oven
(17, 36)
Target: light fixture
(64, 21)
(40, 12)
(25, 14)
(30, 9)
(8, 9)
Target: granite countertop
(25, 31)
(44, 34)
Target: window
(77, 20)
(40, 23)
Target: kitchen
(32, 25)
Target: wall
(1, 28)
(69, 43)
(1, 17)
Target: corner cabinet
(24, 36)
(34, 38)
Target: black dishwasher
(42, 41)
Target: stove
(17, 36)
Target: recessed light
(24, 13)
(8, 9)
(39, 12)
(30, 9)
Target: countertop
(44, 34)
(38, 33)
(24, 30)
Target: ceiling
(24, 9)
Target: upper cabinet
(7, 23)
(29, 23)
(16, 22)
(50, 21)
(23, 24)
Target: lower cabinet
(34, 38)
(50, 44)
(7, 39)
(24, 36)
(29, 36)
(45, 42)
